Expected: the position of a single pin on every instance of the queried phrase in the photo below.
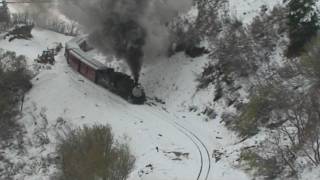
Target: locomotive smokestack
(136, 80)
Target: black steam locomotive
(117, 82)
(122, 84)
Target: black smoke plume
(132, 30)
(125, 38)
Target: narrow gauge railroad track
(204, 147)
(205, 159)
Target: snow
(60, 92)
(31, 48)
(247, 9)
(311, 174)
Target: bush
(233, 55)
(184, 37)
(235, 51)
(267, 167)
(91, 153)
(4, 16)
(255, 111)
(267, 28)
(208, 22)
(258, 111)
(207, 77)
(295, 135)
(240, 50)
(310, 60)
(14, 83)
(303, 25)
(187, 36)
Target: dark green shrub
(310, 60)
(303, 25)
(266, 167)
(258, 111)
(90, 153)
(248, 122)
(14, 83)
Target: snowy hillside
(179, 134)
(62, 93)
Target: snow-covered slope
(60, 93)
(61, 97)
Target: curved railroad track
(207, 154)
(205, 160)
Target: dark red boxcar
(86, 66)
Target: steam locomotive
(76, 53)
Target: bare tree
(91, 153)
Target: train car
(76, 53)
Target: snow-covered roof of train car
(73, 45)
(75, 42)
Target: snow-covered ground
(60, 92)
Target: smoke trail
(133, 30)
(123, 37)
(39, 7)
(39, 12)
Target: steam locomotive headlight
(137, 91)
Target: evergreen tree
(4, 12)
(303, 25)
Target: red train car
(81, 63)
(88, 69)
(77, 56)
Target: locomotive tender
(119, 83)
